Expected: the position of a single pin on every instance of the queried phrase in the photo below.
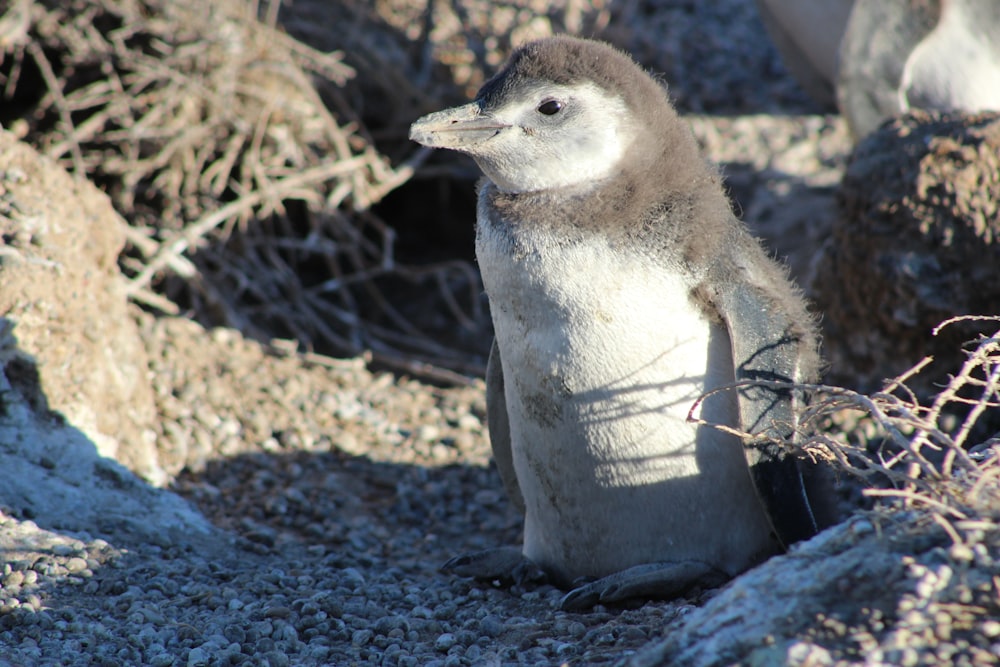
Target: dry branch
(248, 198)
(957, 484)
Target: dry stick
(987, 476)
(948, 528)
(990, 389)
(888, 423)
(329, 65)
(225, 268)
(192, 234)
(860, 401)
(388, 234)
(85, 131)
(454, 308)
(832, 450)
(316, 304)
(276, 348)
(100, 93)
(420, 342)
(401, 321)
(232, 316)
(912, 496)
(333, 131)
(334, 264)
(421, 369)
(972, 362)
(154, 300)
(346, 345)
(964, 318)
(271, 16)
(899, 382)
(976, 524)
(425, 65)
(216, 176)
(924, 428)
(203, 152)
(400, 175)
(55, 89)
(893, 460)
(255, 162)
(179, 264)
(337, 284)
(15, 71)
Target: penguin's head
(563, 112)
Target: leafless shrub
(248, 199)
(925, 462)
(922, 463)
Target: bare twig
(914, 497)
(208, 124)
(55, 90)
(956, 488)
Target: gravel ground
(337, 493)
(340, 494)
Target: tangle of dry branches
(248, 199)
(925, 457)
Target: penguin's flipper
(661, 581)
(498, 424)
(766, 346)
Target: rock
(71, 348)
(917, 241)
(842, 594)
(75, 396)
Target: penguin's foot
(506, 564)
(660, 581)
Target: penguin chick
(899, 55)
(622, 289)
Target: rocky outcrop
(76, 403)
(887, 589)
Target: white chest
(604, 355)
(606, 352)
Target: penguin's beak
(460, 129)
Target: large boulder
(889, 588)
(917, 241)
(71, 346)
(76, 404)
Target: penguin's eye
(550, 107)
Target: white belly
(603, 357)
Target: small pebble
(445, 642)
(76, 564)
